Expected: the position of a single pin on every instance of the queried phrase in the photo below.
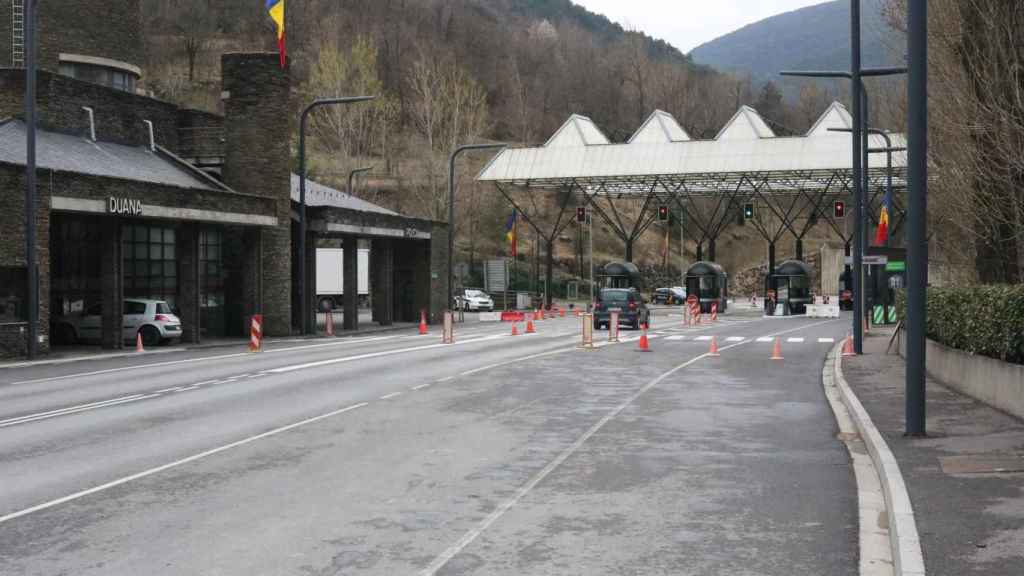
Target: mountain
(812, 38)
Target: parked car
(674, 295)
(627, 302)
(474, 301)
(153, 319)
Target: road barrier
(329, 323)
(138, 342)
(489, 317)
(256, 333)
(515, 329)
(423, 322)
(713, 352)
(587, 331)
(714, 311)
(777, 350)
(613, 326)
(512, 316)
(529, 327)
(448, 336)
(645, 345)
(848, 347)
(823, 311)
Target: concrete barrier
(994, 382)
(823, 311)
(490, 316)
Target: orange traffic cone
(515, 329)
(777, 352)
(561, 312)
(423, 322)
(848, 347)
(714, 348)
(644, 344)
(138, 343)
(529, 327)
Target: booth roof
(793, 268)
(705, 269)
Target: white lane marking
(675, 337)
(735, 339)
(35, 418)
(422, 386)
(826, 340)
(176, 463)
(187, 389)
(517, 360)
(703, 338)
(766, 339)
(390, 396)
(331, 362)
(795, 340)
(193, 360)
(525, 489)
(471, 535)
(69, 409)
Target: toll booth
(884, 274)
(709, 282)
(620, 275)
(791, 284)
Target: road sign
(896, 267)
(875, 260)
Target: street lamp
(303, 295)
(352, 175)
(31, 265)
(917, 217)
(451, 211)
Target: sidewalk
(966, 480)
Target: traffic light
(581, 214)
(748, 211)
(663, 213)
(840, 209)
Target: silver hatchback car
(152, 319)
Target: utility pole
(917, 215)
(31, 263)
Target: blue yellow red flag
(882, 234)
(510, 232)
(276, 10)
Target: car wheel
(150, 336)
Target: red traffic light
(840, 209)
(663, 213)
(581, 214)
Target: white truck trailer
(330, 278)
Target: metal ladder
(18, 34)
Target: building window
(150, 262)
(102, 75)
(211, 268)
(13, 306)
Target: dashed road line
(766, 339)
(826, 340)
(735, 339)
(390, 396)
(422, 386)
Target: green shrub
(985, 320)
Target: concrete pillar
(112, 286)
(350, 278)
(257, 161)
(438, 273)
(188, 283)
(384, 284)
(421, 276)
(252, 276)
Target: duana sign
(124, 206)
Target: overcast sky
(687, 24)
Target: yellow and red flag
(882, 234)
(511, 226)
(276, 10)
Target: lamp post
(303, 292)
(352, 176)
(917, 214)
(451, 211)
(31, 266)
(888, 151)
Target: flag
(276, 10)
(882, 234)
(510, 233)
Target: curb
(903, 537)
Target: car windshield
(163, 308)
(614, 296)
(475, 294)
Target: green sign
(896, 267)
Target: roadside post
(587, 331)
(692, 304)
(613, 326)
(448, 337)
(256, 333)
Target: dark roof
(705, 269)
(620, 269)
(319, 195)
(68, 153)
(793, 268)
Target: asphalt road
(395, 454)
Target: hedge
(984, 320)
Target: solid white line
(174, 464)
(766, 339)
(193, 360)
(735, 339)
(26, 420)
(525, 489)
(422, 386)
(390, 396)
(69, 409)
(795, 340)
(331, 362)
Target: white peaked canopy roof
(658, 154)
(660, 127)
(746, 124)
(577, 131)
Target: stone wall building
(139, 198)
